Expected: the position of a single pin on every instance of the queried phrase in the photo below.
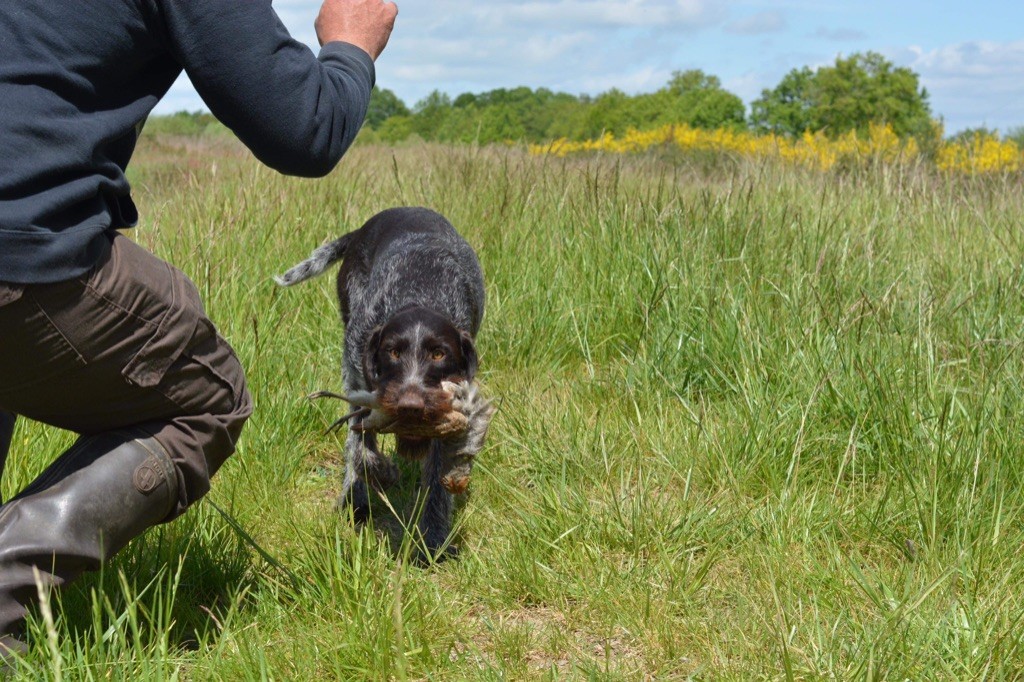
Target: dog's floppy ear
(371, 366)
(468, 354)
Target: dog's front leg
(435, 521)
(364, 464)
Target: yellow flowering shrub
(881, 144)
(982, 153)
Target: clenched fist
(366, 24)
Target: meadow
(756, 421)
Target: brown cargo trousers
(127, 344)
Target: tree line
(850, 94)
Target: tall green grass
(754, 422)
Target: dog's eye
(437, 355)
(395, 353)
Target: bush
(1015, 134)
(184, 123)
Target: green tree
(867, 88)
(698, 99)
(969, 134)
(460, 124)
(513, 114)
(396, 129)
(466, 99)
(786, 109)
(523, 114)
(430, 114)
(609, 112)
(692, 97)
(383, 105)
(850, 95)
(499, 124)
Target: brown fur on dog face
(407, 359)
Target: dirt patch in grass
(546, 639)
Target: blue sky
(970, 56)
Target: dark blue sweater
(77, 79)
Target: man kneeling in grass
(97, 335)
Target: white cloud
(747, 86)
(1004, 61)
(607, 13)
(570, 45)
(645, 79)
(973, 83)
(757, 24)
(541, 49)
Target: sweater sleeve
(297, 112)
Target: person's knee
(236, 417)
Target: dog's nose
(411, 404)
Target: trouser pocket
(129, 344)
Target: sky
(969, 55)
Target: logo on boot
(148, 476)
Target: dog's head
(407, 358)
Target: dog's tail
(318, 261)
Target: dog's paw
(359, 515)
(435, 555)
(354, 502)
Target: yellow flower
(982, 154)
(881, 145)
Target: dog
(411, 293)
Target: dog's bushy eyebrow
(420, 337)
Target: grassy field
(755, 423)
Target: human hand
(366, 24)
